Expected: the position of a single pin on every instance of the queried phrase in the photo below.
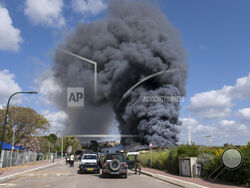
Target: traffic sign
(150, 145)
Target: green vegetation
(25, 121)
(52, 143)
(29, 127)
(73, 142)
(159, 159)
(208, 157)
(239, 176)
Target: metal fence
(23, 157)
(17, 158)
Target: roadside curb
(173, 180)
(9, 177)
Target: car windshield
(89, 157)
(119, 157)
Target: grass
(159, 159)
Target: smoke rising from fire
(133, 41)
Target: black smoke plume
(133, 41)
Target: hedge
(208, 157)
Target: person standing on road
(137, 165)
(101, 161)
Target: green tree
(44, 144)
(73, 142)
(52, 138)
(25, 121)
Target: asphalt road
(63, 176)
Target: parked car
(115, 164)
(89, 163)
(131, 156)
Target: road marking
(5, 178)
(7, 184)
(48, 174)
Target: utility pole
(150, 146)
(62, 148)
(208, 139)
(12, 147)
(189, 135)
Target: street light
(12, 147)
(6, 116)
(87, 60)
(62, 148)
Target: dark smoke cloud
(133, 41)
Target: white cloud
(195, 126)
(8, 86)
(88, 6)
(232, 126)
(216, 104)
(45, 12)
(9, 35)
(244, 114)
(56, 120)
(224, 131)
(189, 122)
(47, 87)
(210, 105)
(241, 89)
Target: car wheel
(115, 165)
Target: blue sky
(215, 35)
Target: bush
(209, 158)
(204, 159)
(188, 151)
(169, 159)
(145, 159)
(240, 176)
(159, 159)
(172, 165)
